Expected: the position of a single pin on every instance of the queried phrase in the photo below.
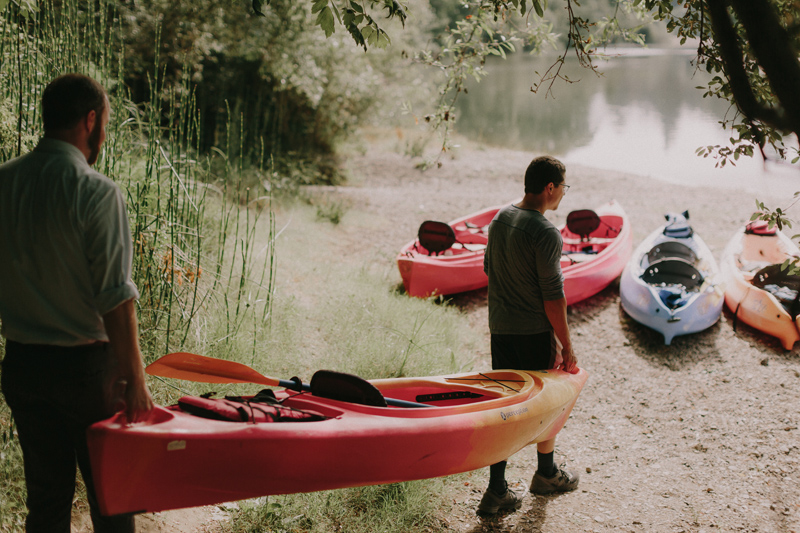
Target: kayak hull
(700, 310)
(756, 307)
(177, 460)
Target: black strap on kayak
(736, 313)
(501, 382)
(452, 395)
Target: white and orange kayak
(757, 290)
(179, 459)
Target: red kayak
(204, 451)
(597, 245)
(447, 269)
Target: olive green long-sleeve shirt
(523, 263)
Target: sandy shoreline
(698, 436)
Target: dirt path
(698, 436)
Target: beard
(94, 143)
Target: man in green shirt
(528, 310)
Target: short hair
(69, 98)
(542, 171)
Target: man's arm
(123, 333)
(556, 311)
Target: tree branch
(776, 54)
(733, 60)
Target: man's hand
(138, 403)
(570, 362)
(122, 328)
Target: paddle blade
(193, 367)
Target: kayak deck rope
(501, 383)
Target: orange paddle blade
(193, 367)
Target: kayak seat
(678, 226)
(345, 388)
(583, 222)
(673, 271)
(436, 237)
(671, 249)
(760, 227)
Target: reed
(184, 266)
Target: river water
(644, 115)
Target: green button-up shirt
(65, 247)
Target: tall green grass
(339, 311)
(194, 229)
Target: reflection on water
(644, 115)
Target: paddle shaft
(202, 369)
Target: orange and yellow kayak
(177, 459)
(754, 284)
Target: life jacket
(678, 226)
(760, 227)
(257, 409)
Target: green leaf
(336, 12)
(318, 6)
(369, 34)
(325, 21)
(383, 39)
(537, 6)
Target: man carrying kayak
(528, 311)
(66, 303)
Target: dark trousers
(55, 393)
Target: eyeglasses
(566, 187)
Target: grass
(341, 311)
(407, 507)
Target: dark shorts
(524, 352)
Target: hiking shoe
(563, 481)
(492, 503)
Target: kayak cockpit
(464, 391)
(439, 396)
